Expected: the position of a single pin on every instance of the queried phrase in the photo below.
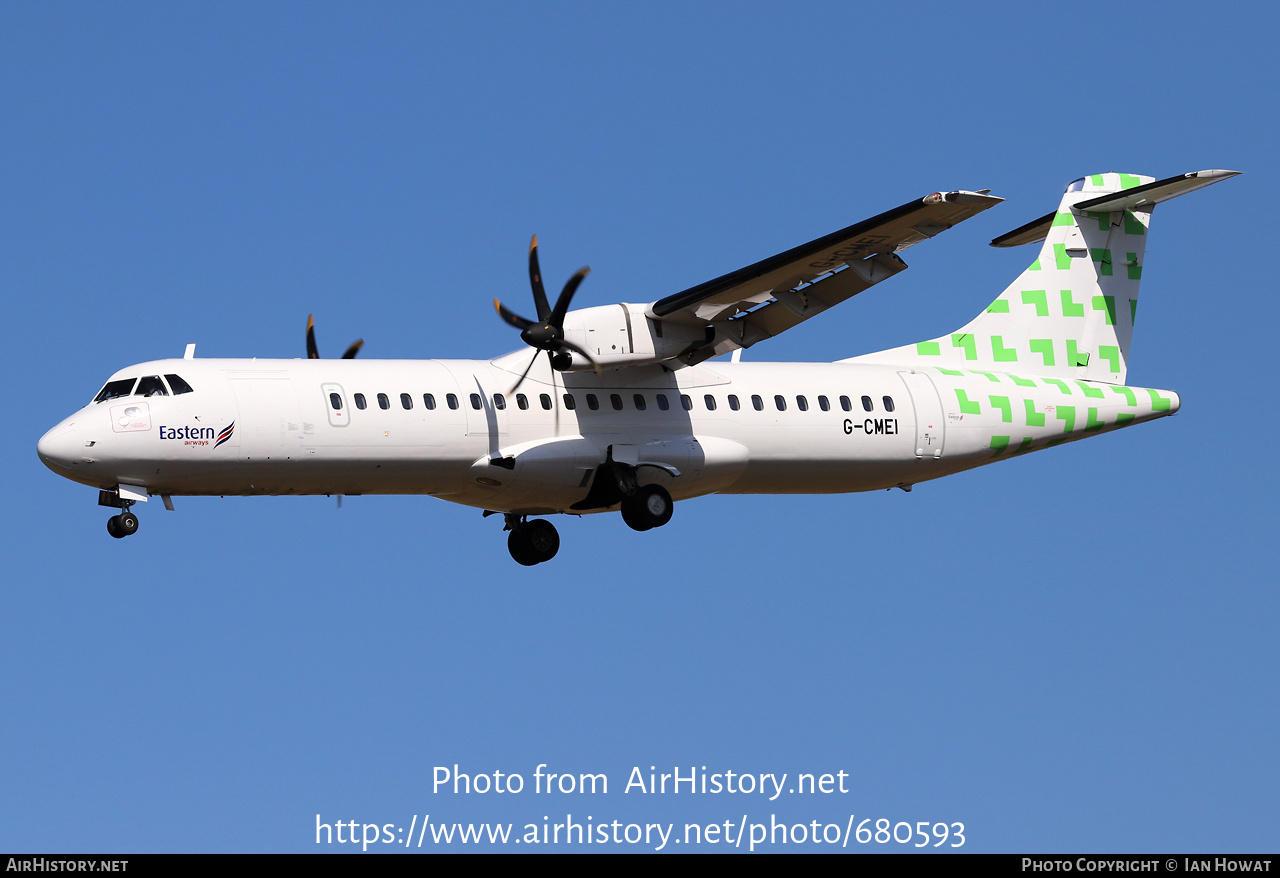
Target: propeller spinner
(314, 354)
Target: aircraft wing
(769, 297)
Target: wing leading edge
(771, 296)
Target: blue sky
(1070, 651)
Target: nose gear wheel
(122, 525)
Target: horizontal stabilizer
(1148, 196)
(1144, 197)
(1028, 234)
(1069, 316)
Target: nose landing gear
(124, 524)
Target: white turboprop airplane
(625, 413)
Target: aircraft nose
(57, 448)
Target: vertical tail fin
(1071, 313)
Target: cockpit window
(115, 389)
(150, 385)
(177, 385)
(1076, 185)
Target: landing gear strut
(531, 542)
(124, 524)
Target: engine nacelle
(622, 335)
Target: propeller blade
(566, 296)
(555, 400)
(535, 280)
(532, 360)
(511, 317)
(313, 353)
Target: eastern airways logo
(198, 435)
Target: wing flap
(757, 286)
(792, 307)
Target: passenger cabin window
(150, 385)
(545, 399)
(475, 402)
(846, 404)
(569, 402)
(866, 404)
(710, 401)
(429, 401)
(499, 401)
(384, 402)
(177, 385)
(756, 402)
(638, 399)
(406, 401)
(733, 402)
(662, 402)
(685, 402)
(780, 402)
(115, 389)
(452, 400)
(888, 403)
(335, 401)
(802, 403)
(592, 402)
(824, 403)
(522, 402)
(616, 401)
(360, 402)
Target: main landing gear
(644, 507)
(531, 542)
(648, 507)
(124, 524)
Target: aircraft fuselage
(453, 429)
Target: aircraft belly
(821, 477)
(347, 469)
(831, 458)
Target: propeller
(547, 332)
(314, 354)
